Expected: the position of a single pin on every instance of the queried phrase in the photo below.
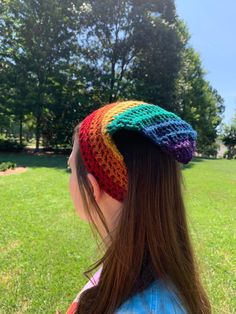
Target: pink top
(91, 283)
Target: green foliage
(229, 138)
(225, 155)
(199, 103)
(40, 38)
(4, 165)
(210, 150)
(158, 60)
(59, 60)
(11, 146)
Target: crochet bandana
(100, 154)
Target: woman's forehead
(74, 149)
(75, 140)
(76, 143)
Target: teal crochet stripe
(140, 117)
(163, 127)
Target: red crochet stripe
(88, 142)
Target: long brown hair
(151, 240)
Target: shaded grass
(44, 247)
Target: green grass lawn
(44, 247)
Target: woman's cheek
(76, 197)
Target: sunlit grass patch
(44, 247)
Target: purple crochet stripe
(182, 151)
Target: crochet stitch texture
(100, 154)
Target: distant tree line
(228, 137)
(59, 60)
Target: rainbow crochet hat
(100, 154)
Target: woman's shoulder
(92, 282)
(156, 298)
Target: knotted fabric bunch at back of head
(100, 154)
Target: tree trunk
(230, 152)
(37, 131)
(21, 123)
(112, 82)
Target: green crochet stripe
(139, 117)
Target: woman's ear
(95, 186)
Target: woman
(126, 181)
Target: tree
(158, 48)
(41, 38)
(62, 59)
(130, 49)
(229, 137)
(198, 102)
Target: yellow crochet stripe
(108, 117)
